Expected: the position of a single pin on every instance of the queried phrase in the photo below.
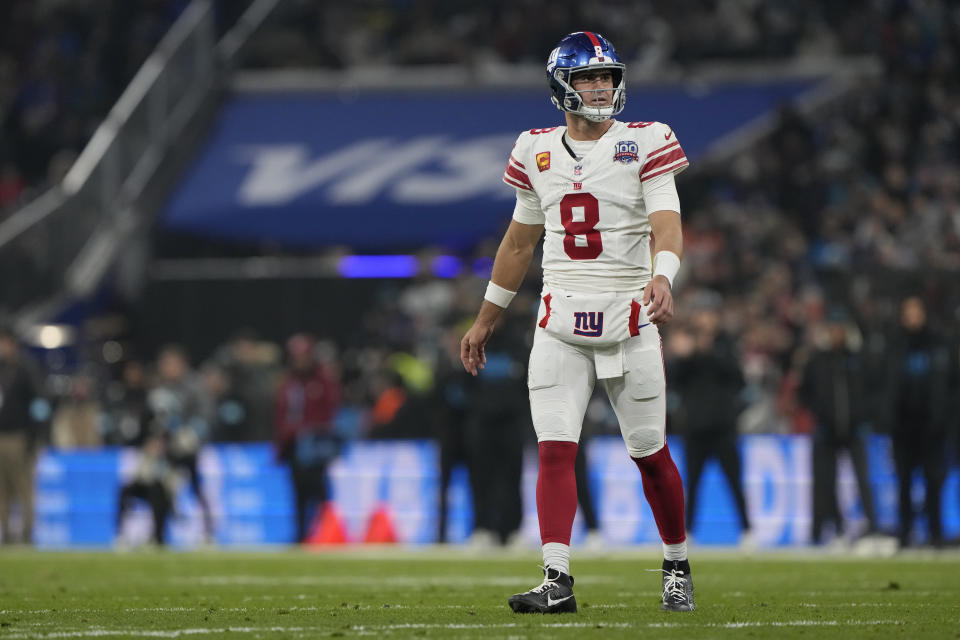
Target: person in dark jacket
(917, 390)
(154, 481)
(708, 377)
(180, 406)
(126, 412)
(306, 404)
(19, 436)
(496, 423)
(832, 388)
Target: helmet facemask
(573, 102)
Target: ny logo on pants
(588, 323)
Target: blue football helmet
(582, 51)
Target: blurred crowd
(856, 206)
(651, 34)
(63, 64)
(399, 376)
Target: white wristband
(498, 295)
(666, 264)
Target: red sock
(664, 491)
(556, 491)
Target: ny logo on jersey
(626, 152)
(588, 323)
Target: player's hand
(658, 299)
(471, 347)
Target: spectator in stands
(227, 412)
(916, 388)
(706, 371)
(252, 368)
(154, 481)
(655, 35)
(832, 387)
(496, 424)
(11, 185)
(19, 436)
(61, 69)
(451, 399)
(180, 405)
(77, 420)
(403, 405)
(304, 437)
(388, 398)
(126, 414)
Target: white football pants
(561, 378)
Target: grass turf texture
(436, 593)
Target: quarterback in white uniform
(601, 192)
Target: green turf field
(400, 593)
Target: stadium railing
(76, 230)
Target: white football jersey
(597, 233)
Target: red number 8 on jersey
(586, 227)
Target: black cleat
(554, 595)
(677, 586)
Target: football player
(602, 190)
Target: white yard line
(366, 629)
(630, 625)
(912, 605)
(805, 623)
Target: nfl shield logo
(626, 152)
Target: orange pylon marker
(380, 529)
(327, 527)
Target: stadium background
(210, 204)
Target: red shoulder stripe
(513, 183)
(660, 172)
(518, 175)
(663, 148)
(662, 161)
